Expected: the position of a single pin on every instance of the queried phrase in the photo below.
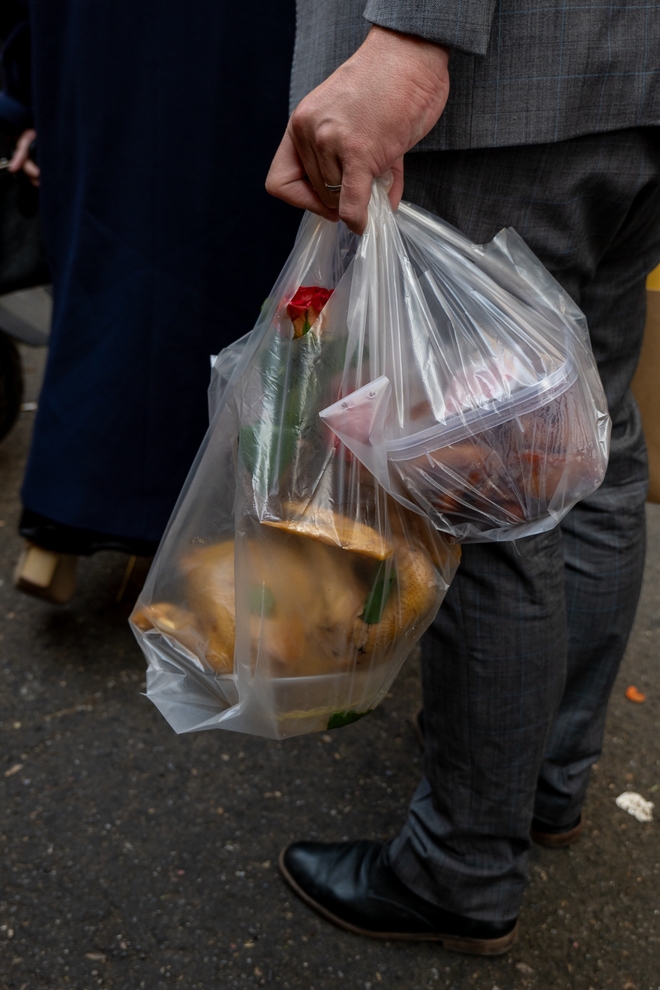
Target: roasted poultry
(325, 594)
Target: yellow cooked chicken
(330, 527)
(316, 608)
(413, 594)
(305, 599)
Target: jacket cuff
(461, 24)
(14, 116)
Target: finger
(31, 169)
(317, 148)
(355, 196)
(396, 189)
(19, 158)
(301, 194)
(320, 172)
(329, 166)
(286, 180)
(22, 150)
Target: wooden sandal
(45, 574)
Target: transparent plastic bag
(290, 586)
(471, 392)
(223, 366)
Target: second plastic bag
(470, 390)
(290, 586)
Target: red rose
(305, 306)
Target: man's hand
(21, 157)
(358, 124)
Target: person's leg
(604, 543)
(493, 675)
(604, 535)
(495, 660)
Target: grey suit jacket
(521, 71)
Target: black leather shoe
(353, 885)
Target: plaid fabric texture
(520, 661)
(522, 71)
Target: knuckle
(300, 119)
(326, 136)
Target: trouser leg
(493, 675)
(501, 651)
(604, 540)
(604, 545)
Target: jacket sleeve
(461, 24)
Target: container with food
(483, 407)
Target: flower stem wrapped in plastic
(290, 586)
(470, 388)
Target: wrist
(417, 70)
(427, 54)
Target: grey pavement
(131, 858)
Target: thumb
(286, 180)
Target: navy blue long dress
(156, 121)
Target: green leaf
(266, 451)
(379, 594)
(345, 718)
(261, 600)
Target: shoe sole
(472, 946)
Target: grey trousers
(520, 661)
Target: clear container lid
(494, 411)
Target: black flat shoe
(352, 885)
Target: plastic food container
(326, 612)
(518, 462)
(290, 706)
(483, 408)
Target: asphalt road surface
(131, 858)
